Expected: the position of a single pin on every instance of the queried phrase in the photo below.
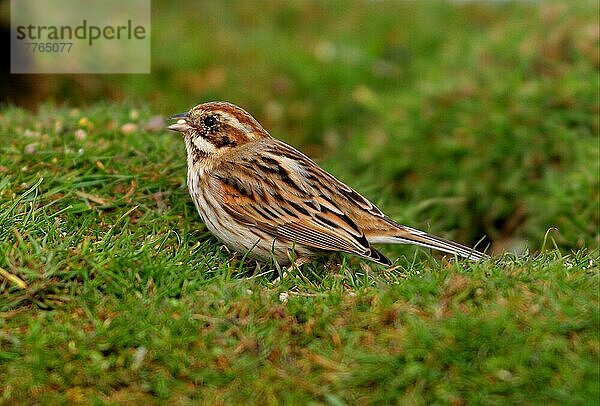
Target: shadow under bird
(261, 196)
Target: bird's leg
(296, 264)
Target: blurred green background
(471, 118)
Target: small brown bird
(263, 197)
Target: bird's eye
(210, 121)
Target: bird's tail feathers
(408, 235)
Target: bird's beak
(181, 125)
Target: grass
(112, 291)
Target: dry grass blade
(13, 278)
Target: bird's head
(214, 127)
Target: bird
(264, 198)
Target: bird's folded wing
(299, 217)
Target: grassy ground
(465, 120)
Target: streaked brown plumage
(260, 195)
